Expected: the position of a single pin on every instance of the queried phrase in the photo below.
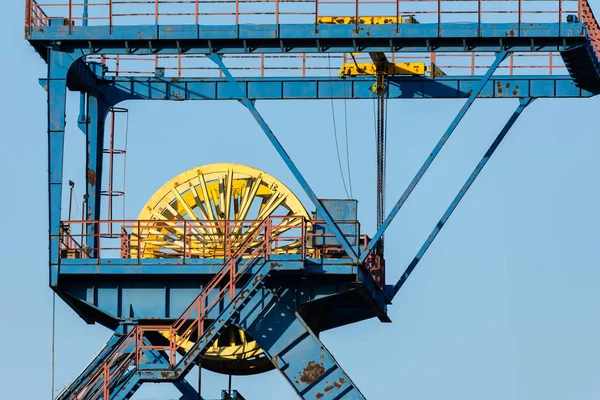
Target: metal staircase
(131, 359)
(583, 62)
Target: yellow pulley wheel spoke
(206, 196)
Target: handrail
(186, 240)
(115, 363)
(591, 25)
(155, 12)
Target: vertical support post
(237, 12)
(197, 12)
(397, 16)
(277, 12)
(357, 6)
(523, 103)
(559, 18)
(156, 12)
(519, 12)
(286, 158)
(70, 15)
(478, 18)
(438, 147)
(439, 17)
(85, 15)
(97, 112)
(58, 67)
(472, 63)
(185, 239)
(550, 67)
(512, 63)
(110, 14)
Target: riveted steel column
(97, 111)
(523, 103)
(58, 67)
(286, 158)
(436, 150)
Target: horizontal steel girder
(314, 88)
(272, 38)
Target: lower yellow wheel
(205, 198)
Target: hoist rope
(335, 135)
(381, 151)
(347, 147)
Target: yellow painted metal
(213, 193)
(410, 68)
(372, 20)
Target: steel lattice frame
(64, 44)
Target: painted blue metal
(58, 67)
(96, 116)
(290, 38)
(286, 158)
(313, 88)
(523, 103)
(436, 150)
(115, 300)
(296, 352)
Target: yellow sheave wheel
(215, 192)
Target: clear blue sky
(503, 306)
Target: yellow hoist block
(410, 68)
(374, 20)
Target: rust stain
(508, 85)
(514, 92)
(329, 388)
(91, 175)
(500, 90)
(319, 395)
(312, 372)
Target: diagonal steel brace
(501, 56)
(249, 104)
(523, 103)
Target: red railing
(190, 326)
(34, 14)
(591, 25)
(191, 322)
(184, 239)
(146, 12)
(319, 65)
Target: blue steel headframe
(523, 103)
(286, 158)
(436, 150)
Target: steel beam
(296, 351)
(249, 104)
(311, 38)
(436, 150)
(58, 69)
(357, 87)
(523, 103)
